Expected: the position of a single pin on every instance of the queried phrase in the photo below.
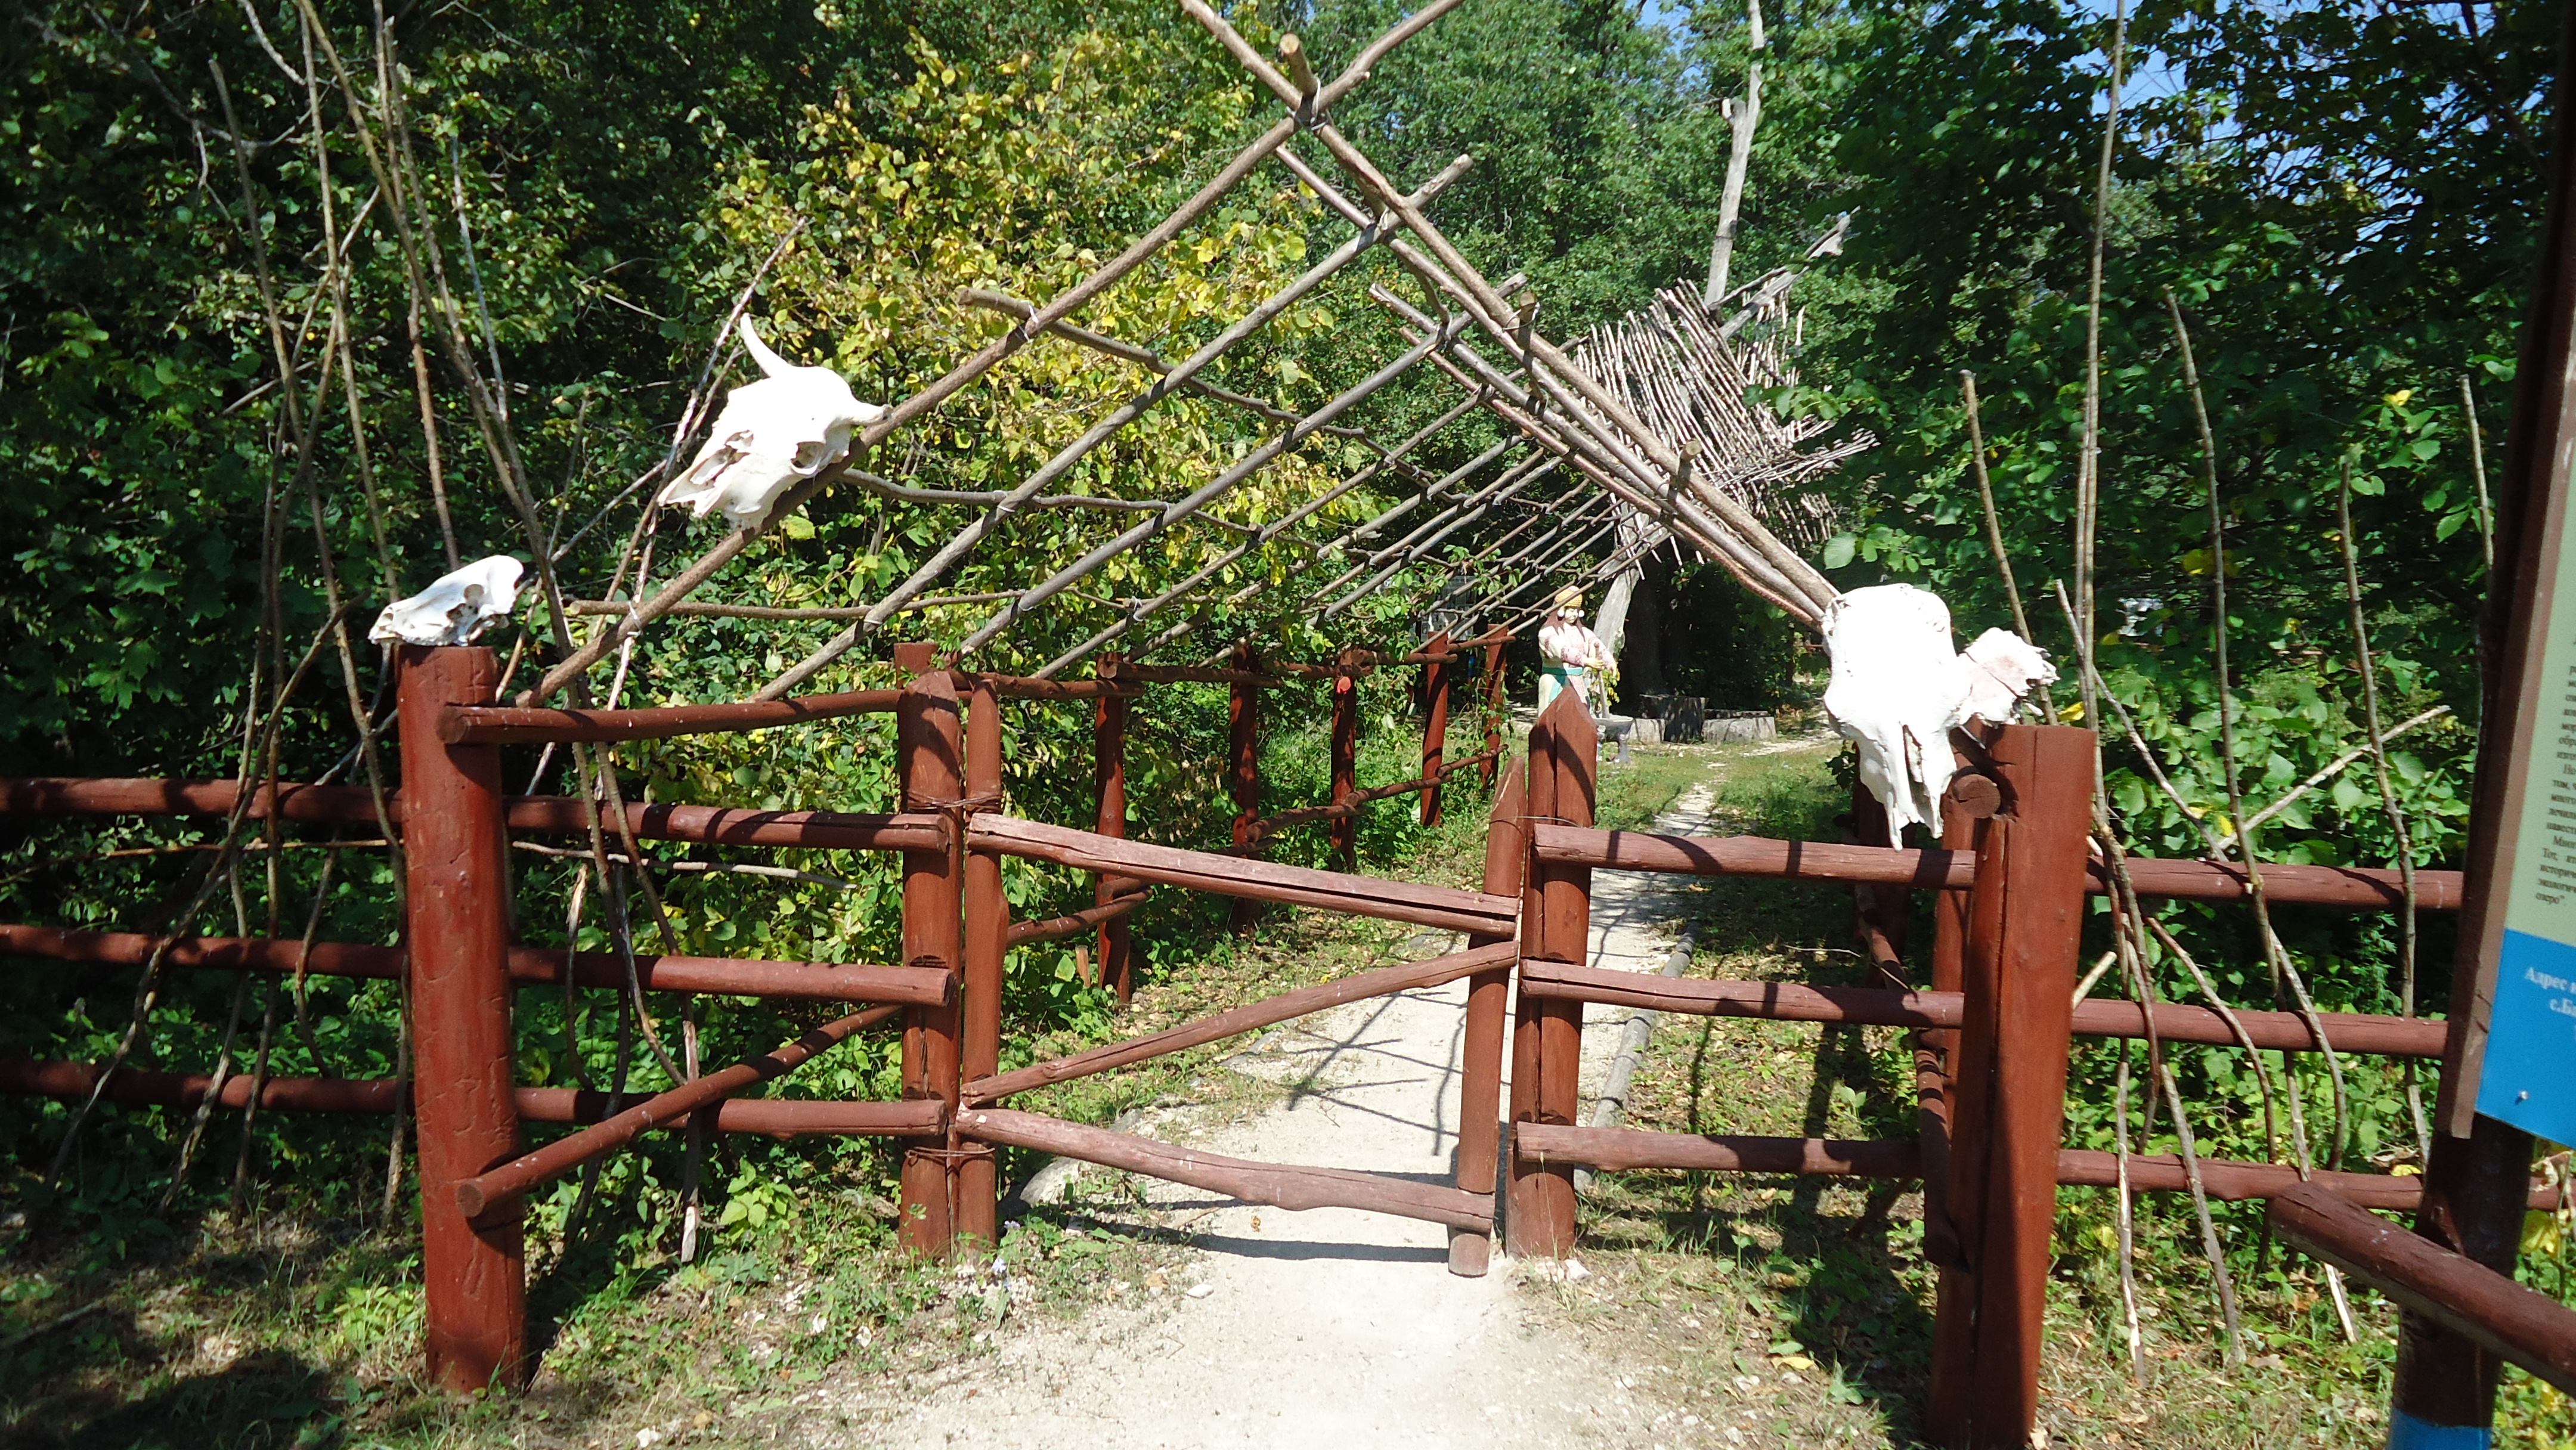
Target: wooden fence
(1994, 1028)
(1994, 1037)
(454, 823)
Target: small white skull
(2002, 668)
(773, 434)
(455, 608)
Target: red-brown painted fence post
(988, 930)
(1109, 818)
(1480, 1065)
(2026, 917)
(1494, 710)
(1435, 724)
(1243, 752)
(929, 738)
(1962, 827)
(1346, 755)
(1547, 1042)
(458, 933)
(1878, 912)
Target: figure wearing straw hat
(1569, 654)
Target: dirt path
(1331, 1328)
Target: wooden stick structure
(1646, 427)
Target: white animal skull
(772, 435)
(455, 608)
(1898, 688)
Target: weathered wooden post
(928, 737)
(1435, 722)
(1480, 1065)
(1963, 816)
(2026, 916)
(458, 936)
(1878, 912)
(1494, 709)
(987, 938)
(1547, 1040)
(2476, 1181)
(1243, 753)
(1346, 755)
(1109, 818)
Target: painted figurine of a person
(1569, 653)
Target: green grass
(1799, 1310)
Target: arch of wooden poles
(1601, 485)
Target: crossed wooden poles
(1564, 419)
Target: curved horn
(771, 364)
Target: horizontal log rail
(1271, 825)
(1614, 1148)
(1280, 1185)
(1627, 1148)
(1886, 1007)
(161, 796)
(508, 725)
(770, 1117)
(2352, 888)
(1289, 672)
(1057, 928)
(1194, 675)
(1276, 674)
(512, 1180)
(141, 1087)
(1308, 815)
(1287, 1006)
(2521, 1325)
(726, 826)
(536, 815)
(1421, 783)
(2226, 1178)
(1028, 687)
(529, 966)
(1441, 906)
(774, 1117)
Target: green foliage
(600, 184)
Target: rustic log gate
(454, 824)
(1993, 1030)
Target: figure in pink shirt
(1569, 654)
